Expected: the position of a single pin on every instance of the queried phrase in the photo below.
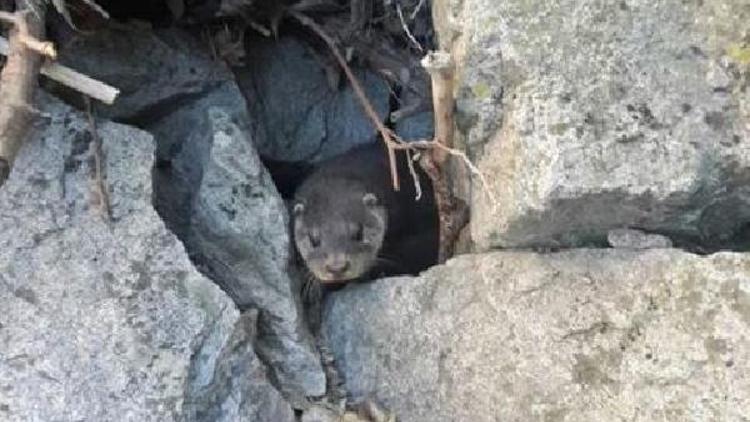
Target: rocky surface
(636, 239)
(155, 70)
(240, 372)
(588, 116)
(104, 317)
(585, 335)
(239, 230)
(303, 110)
(622, 124)
(210, 186)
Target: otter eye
(314, 239)
(358, 233)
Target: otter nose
(337, 265)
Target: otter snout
(337, 265)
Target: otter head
(339, 240)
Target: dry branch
(17, 84)
(466, 162)
(453, 213)
(96, 147)
(44, 48)
(405, 26)
(73, 79)
(440, 67)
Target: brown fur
(348, 219)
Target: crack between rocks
(152, 114)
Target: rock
(154, 70)
(211, 188)
(298, 116)
(419, 125)
(239, 368)
(636, 239)
(589, 116)
(239, 230)
(584, 335)
(184, 140)
(366, 411)
(107, 319)
(320, 414)
(414, 120)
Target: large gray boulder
(585, 335)
(239, 230)
(103, 316)
(210, 186)
(587, 116)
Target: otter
(349, 223)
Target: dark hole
(410, 250)
(154, 11)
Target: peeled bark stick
(17, 84)
(45, 48)
(73, 79)
(452, 211)
(440, 67)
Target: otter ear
(298, 209)
(370, 199)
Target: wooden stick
(45, 48)
(440, 67)
(453, 213)
(73, 79)
(18, 83)
(8, 17)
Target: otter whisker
(385, 260)
(388, 256)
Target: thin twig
(385, 133)
(73, 79)
(406, 27)
(97, 8)
(452, 211)
(45, 48)
(96, 146)
(8, 17)
(262, 30)
(416, 10)
(414, 176)
(440, 67)
(473, 169)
